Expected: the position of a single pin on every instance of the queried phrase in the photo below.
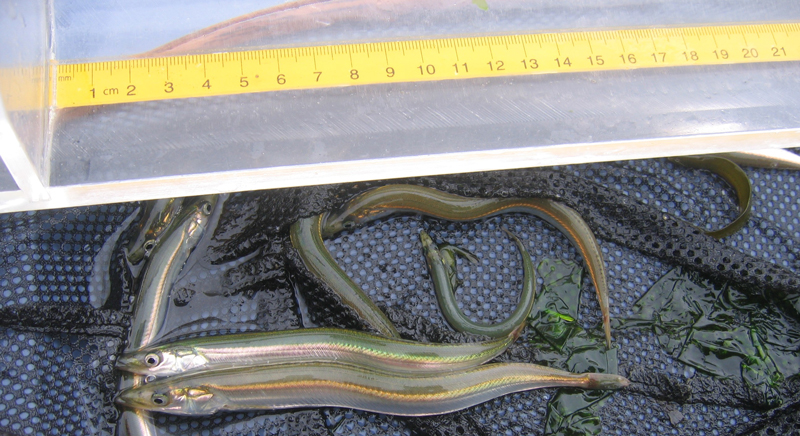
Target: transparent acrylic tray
(183, 147)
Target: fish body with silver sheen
(166, 262)
(311, 345)
(336, 385)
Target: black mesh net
(66, 291)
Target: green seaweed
(565, 344)
(720, 331)
(671, 307)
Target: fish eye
(152, 359)
(160, 399)
(149, 378)
(149, 245)
(347, 225)
(206, 208)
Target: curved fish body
(159, 216)
(776, 158)
(399, 199)
(311, 345)
(736, 178)
(307, 239)
(336, 385)
(442, 274)
(162, 271)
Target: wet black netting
(66, 289)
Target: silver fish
(165, 264)
(337, 385)
(311, 345)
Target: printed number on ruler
(414, 61)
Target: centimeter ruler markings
(417, 61)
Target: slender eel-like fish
(442, 274)
(165, 264)
(312, 345)
(180, 232)
(398, 199)
(337, 385)
(307, 239)
(736, 177)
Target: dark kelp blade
(565, 344)
(721, 332)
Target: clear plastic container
(254, 141)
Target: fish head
(172, 217)
(199, 213)
(160, 215)
(607, 381)
(196, 220)
(426, 240)
(348, 218)
(431, 250)
(162, 397)
(195, 211)
(142, 251)
(366, 207)
(162, 362)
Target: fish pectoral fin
(198, 393)
(202, 400)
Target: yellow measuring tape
(418, 61)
